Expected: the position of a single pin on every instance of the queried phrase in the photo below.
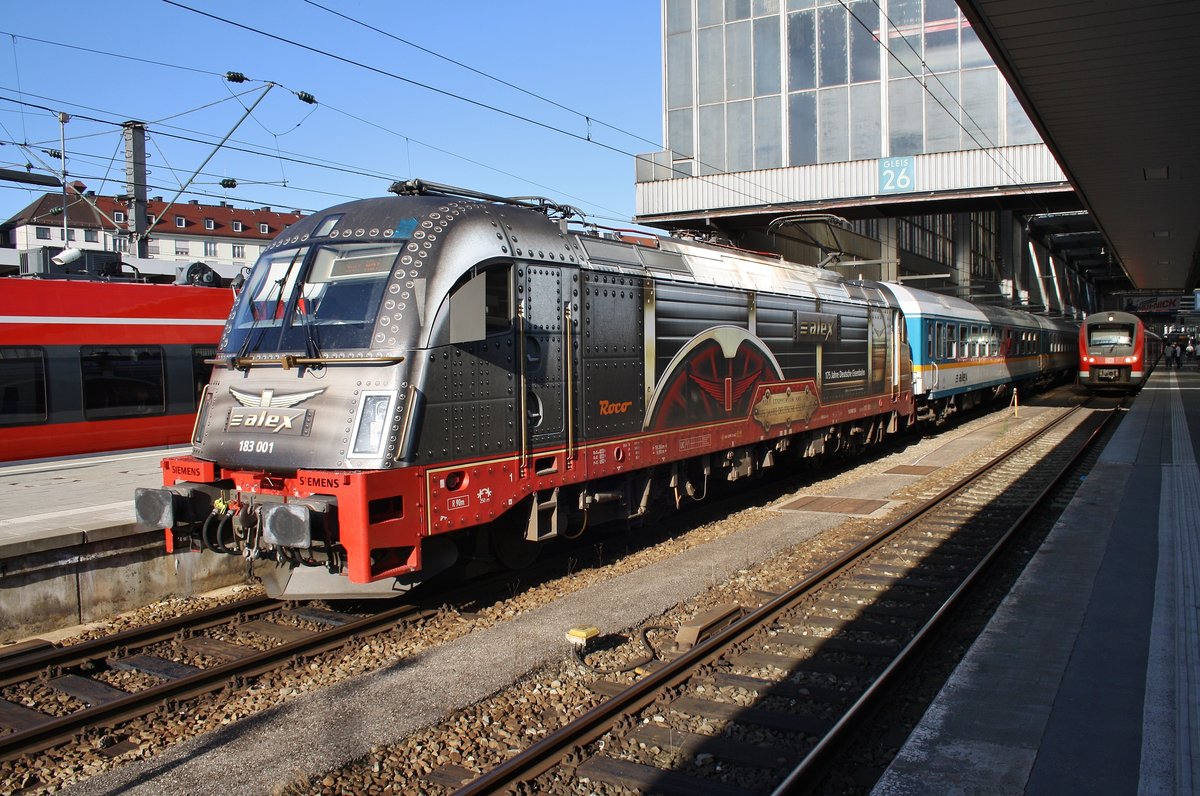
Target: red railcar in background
(1116, 351)
(89, 366)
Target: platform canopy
(1113, 86)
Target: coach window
(952, 341)
(941, 341)
(121, 382)
(22, 386)
(993, 341)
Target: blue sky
(601, 61)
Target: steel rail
(551, 750)
(854, 715)
(64, 728)
(23, 667)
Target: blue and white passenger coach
(965, 353)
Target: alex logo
(268, 411)
(614, 408)
(269, 421)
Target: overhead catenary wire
(724, 178)
(488, 106)
(310, 160)
(589, 119)
(735, 177)
(291, 156)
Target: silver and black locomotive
(403, 379)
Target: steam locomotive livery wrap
(404, 380)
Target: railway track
(104, 731)
(104, 682)
(790, 678)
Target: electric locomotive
(1116, 351)
(403, 380)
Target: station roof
(1112, 87)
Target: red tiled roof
(81, 215)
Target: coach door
(901, 370)
(545, 297)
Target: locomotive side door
(548, 324)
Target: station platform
(71, 553)
(1087, 680)
(53, 503)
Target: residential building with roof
(222, 236)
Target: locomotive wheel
(507, 542)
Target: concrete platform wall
(46, 589)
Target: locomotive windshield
(320, 297)
(1110, 335)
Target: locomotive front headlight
(374, 419)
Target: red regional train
(443, 374)
(89, 366)
(1116, 351)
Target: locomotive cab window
(265, 295)
(328, 299)
(481, 304)
(343, 290)
(22, 386)
(1110, 336)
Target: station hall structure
(878, 139)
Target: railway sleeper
(886, 596)
(643, 778)
(824, 644)
(883, 608)
(694, 744)
(86, 690)
(19, 718)
(795, 664)
(741, 714)
(776, 688)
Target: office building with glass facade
(888, 113)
